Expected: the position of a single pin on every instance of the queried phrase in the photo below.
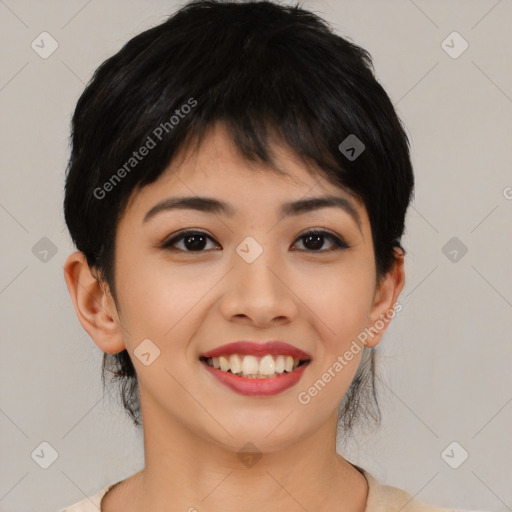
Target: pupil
(315, 241)
(191, 245)
(319, 240)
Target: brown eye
(193, 241)
(196, 241)
(314, 240)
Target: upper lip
(252, 348)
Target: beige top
(381, 498)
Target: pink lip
(257, 387)
(250, 348)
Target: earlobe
(93, 304)
(386, 296)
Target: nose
(259, 293)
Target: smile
(248, 366)
(256, 369)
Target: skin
(187, 303)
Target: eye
(193, 241)
(315, 239)
(196, 241)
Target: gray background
(446, 359)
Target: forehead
(217, 158)
(215, 168)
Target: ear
(94, 305)
(386, 295)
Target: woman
(237, 190)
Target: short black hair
(270, 73)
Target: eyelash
(339, 243)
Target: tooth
(250, 365)
(267, 365)
(224, 364)
(235, 363)
(280, 364)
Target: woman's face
(250, 275)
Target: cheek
(160, 299)
(340, 303)
(340, 300)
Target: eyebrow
(210, 205)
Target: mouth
(256, 368)
(251, 367)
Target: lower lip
(257, 387)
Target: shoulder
(385, 498)
(89, 504)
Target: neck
(186, 472)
